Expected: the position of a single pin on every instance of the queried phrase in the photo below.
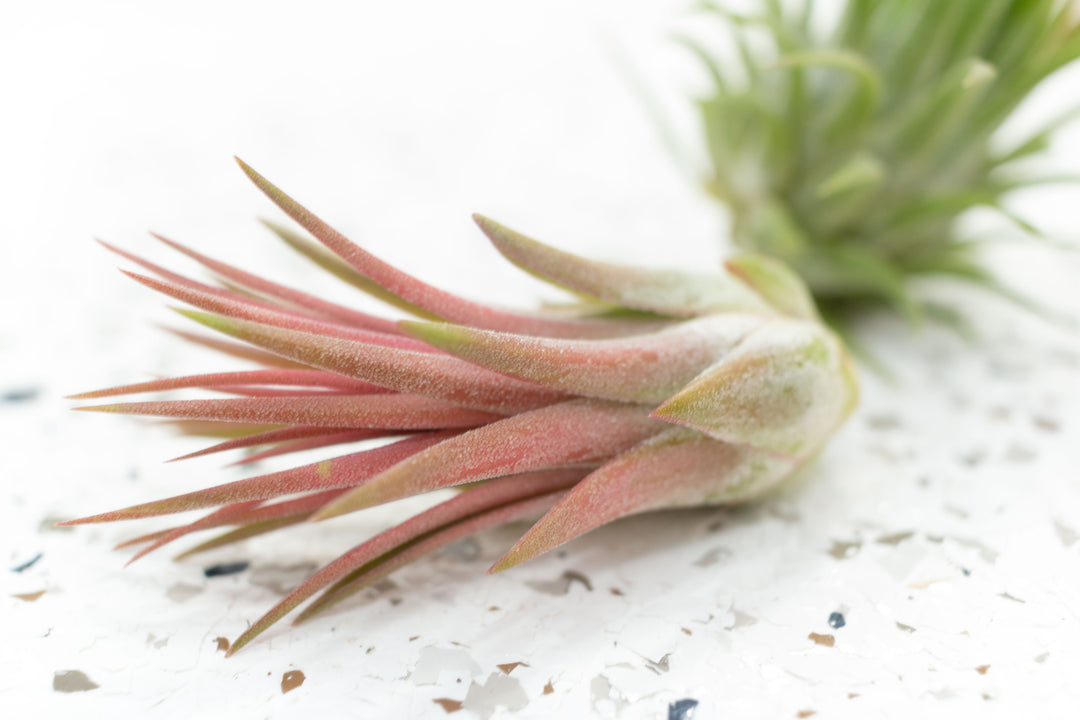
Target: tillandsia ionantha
(663, 389)
(849, 144)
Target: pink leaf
(641, 368)
(389, 412)
(287, 377)
(678, 468)
(668, 292)
(281, 435)
(570, 433)
(493, 503)
(439, 302)
(310, 303)
(341, 472)
(434, 375)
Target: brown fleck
(292, 680)
(30, 596)
(1007, 596)
(843, 549)
(852, 696)
(510, 667)
(414, 638)
(549, 688)
(1046, 424)
(905, 628)
(982, 669)
(222, 644)
(826, 640)
(67, 681)
(493, 608)
(895, 538)
(805, 713)
(617, 592)
(447, 704)
(686, 631)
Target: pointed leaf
(570, 433)
(291, 378)
(428, 297)
(667, 292)
(432, 374)
(341, 472)
(678, 468)
(307, 302)
(489, 504)
(640, 368)
(785, 389)
(390, 412)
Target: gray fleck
(1007, 596)
(742, 619)
(957, 511)
(1065, 534)
(1019, 454)
(26, 564)
(1042, 658)
(784, 514)
(602, 692)
(560, 585)
(68, 681)
(155, 642)
(974, 457)
(20, 395)
(467, 550)
(905, 628)
(662, 665)
(497, 691)
(682, 709)
(182, 592)
(988, 554)
(221, 569)
(713, 556)
(281, 579)
(883, 422)
(433, 662)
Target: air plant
(849, 147)
(662, 389)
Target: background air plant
(658, 389)
(849, 147)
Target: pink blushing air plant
(662, 389)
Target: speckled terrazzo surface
(926, 565)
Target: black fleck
(836, 620)
(18, 395)
(26, 565)
(967, 573)
(226, 569)
(682, 709)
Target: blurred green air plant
(849, 147)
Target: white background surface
(955, 489)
